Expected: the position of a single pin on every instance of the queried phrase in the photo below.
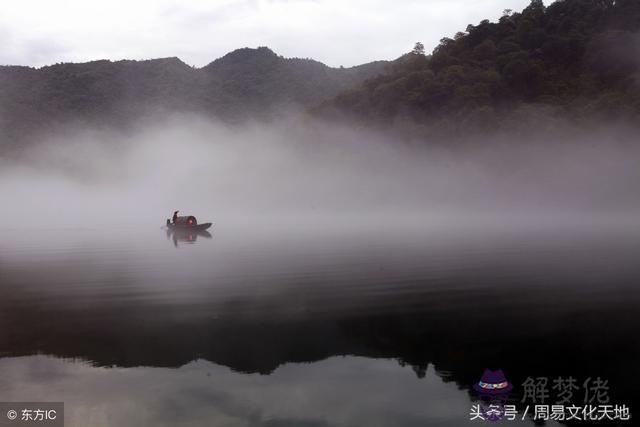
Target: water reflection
(434, 304)
(338, 391)
(186, 236)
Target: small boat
(189, 223)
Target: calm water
(312, 325)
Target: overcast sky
(336, 32)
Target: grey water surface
(360, 324)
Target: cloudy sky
(336, 32)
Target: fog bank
(310, 171)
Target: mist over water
(286, 171)
(408, 258)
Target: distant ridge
(246, 83)
(575, 60)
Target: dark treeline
(244, 84)
(575, 59)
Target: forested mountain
(246, 83)
(575, 59)
(251, 81)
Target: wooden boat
(187, 223)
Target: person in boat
(175, 216)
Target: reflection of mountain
(527, 338)
(534, 303)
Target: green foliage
(579, 57)
(418, 49)
(246, 83)
(575, 58)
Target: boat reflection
(186, 236)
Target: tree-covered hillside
(578, 60)
(575, 58)
(252, 81)
(246, 83)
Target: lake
(315, 323)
